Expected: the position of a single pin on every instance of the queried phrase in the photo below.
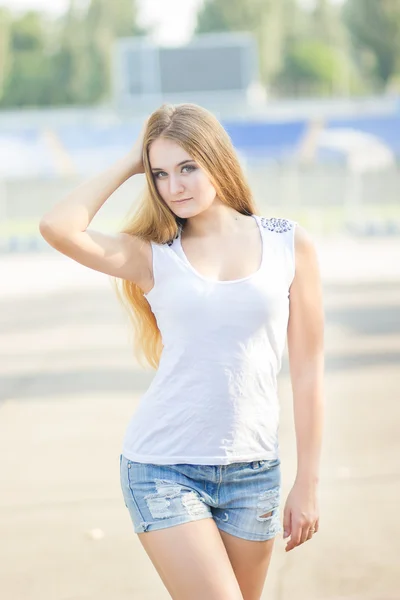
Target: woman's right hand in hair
(136, 152)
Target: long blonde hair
(202, 136)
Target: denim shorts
(243, 498)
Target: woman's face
(180, 181)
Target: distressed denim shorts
(242, 498)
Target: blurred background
(309, 91)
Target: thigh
(248, 519)
(192, 561)
(250, 562)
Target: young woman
(213, 289)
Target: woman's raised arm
(65, 226)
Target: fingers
(301, 534)
(287, 525)
(310, 533)
(295, 538)
(305, 532)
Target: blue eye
(190, 167)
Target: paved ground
(69, 386)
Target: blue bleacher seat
(385, 128)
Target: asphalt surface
(69, 385)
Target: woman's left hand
(301, 514)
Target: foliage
(311, 65)
(269, 21)
(67, 61)
(375, 31)
(300, 51)
(325, 50)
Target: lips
(183, 200)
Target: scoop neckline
(225, 281)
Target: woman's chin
(184, 210)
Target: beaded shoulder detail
(275, 224)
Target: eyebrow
(188, 160)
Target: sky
(172, 21)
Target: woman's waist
(222, 379)
(222, 362)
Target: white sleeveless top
(213, 399)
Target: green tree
(313, 67)
(269, 21)
(28, 69)
(316, 56)
(5, 26)
(227, 15)
(82, 62)
(67, 61)
(375, 31)
(326, 23)
(106, 21)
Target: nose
(175, 185)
